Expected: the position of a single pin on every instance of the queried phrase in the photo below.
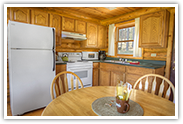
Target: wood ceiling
(100, 13)
(91, 14)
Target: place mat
(106, 106)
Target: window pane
(125, 48)
(126, 33)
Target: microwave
(90, 55)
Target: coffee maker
(102, 55)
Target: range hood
(74, 36)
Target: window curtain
(137, 52)
(111, 40)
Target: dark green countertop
(142, 65)
(60, 63)
(152, 64)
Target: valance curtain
(111, 39)
(137, 52)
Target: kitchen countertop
(142, 64)
(152, 64)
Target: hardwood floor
(32, 113)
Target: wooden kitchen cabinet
(91, 35)
(60, 68)
(134, 73)
(102, 36)
(55, 21)
(115, 76)
(95, 74)
(68, 24)
(20, 14)
(80, 27)
(154, 30)
(110, 73)
(39, 18)
(105, 76)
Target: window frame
(119, 26)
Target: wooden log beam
(132, 15)
(170, 43)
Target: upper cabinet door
(55, 21)
(102, 37)
(154, 30)
(80, 27)
(39, 18)
(20, 14)
(91, 35)
(67, 24)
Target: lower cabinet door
(104, 78)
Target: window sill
(125, 56)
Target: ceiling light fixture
(111, 8)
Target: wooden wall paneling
(161, 54)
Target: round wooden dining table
(79, 102)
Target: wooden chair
(61, 87)
(152, 87)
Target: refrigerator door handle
(53, 60)
(53, 38)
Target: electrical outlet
(153, 54)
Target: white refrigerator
(31, 54)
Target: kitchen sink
(116, 61)
(108, 60)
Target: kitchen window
(125, 38)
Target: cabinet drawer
(112, 67)
(139, 71)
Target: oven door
(85, 74)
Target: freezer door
(30, 74)
(28, 36)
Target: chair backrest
(60, 83)
(155, 84)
